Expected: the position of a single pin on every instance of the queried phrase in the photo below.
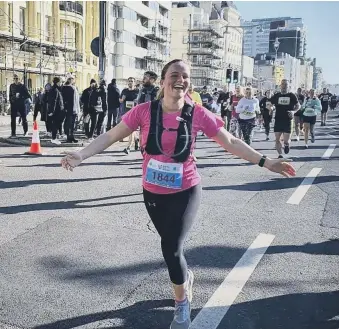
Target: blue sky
(321, 19)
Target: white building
(139, 33)
(248, 70)
(306, 75)
(234, 36)
(197, 36)
(292, 70)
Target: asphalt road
(77, 250)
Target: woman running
(234, 125)
(171, 183)
(310, 109)
(248, 109)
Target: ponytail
(160, 94)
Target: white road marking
(329, 151)
(302, 189)
(218, 305)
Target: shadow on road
(15, 184)
(222, 257)
(273, 184)
(85, 164)
(73, 204)
(292, 311)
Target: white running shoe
(55, 141)
(182, 316)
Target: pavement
(77, 250)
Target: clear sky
(321, 20)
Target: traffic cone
(35, 145)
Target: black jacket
(67, 92)
(113, 95)
(23, 94)
(55, 100)
(90, 99)
(44, 106)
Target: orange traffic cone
(35, 146)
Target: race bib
(225, 103)
(168, 175)
(129, 104)
(325, 98)
(284, 101)
(205, 100)
(17, 95)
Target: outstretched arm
(104, 141)
(244, 151)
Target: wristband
(262, 161)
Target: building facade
(139, 34)
(260, 35)
(306, 74)
(40, 40)
(233, 38)
(248, 70)
(197, 37)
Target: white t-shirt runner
(248, 108)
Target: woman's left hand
(280, 166)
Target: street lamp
(276, 47)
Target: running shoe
(297, 138)
(126, 150)
(55, 141)
(306, 146)
(267, 138)
(286, 149)
(182, 315)
(280, 156)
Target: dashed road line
(218, 305)
(329, 151)
(302, 189)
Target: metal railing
(74, 7)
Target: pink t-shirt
(203, 120)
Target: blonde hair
(160, 93)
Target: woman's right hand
(71, 160)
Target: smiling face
(311, 93)
(176, 81)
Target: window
(141, 42)
(117, 36)
(142, 20)
(163, 11)
(114, 12)
(22, 20)
(140, 64)
(113, 60)
(195, 59)
(47, 24)
(127, 13)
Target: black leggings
(173, 216)
(247, 127)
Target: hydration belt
(184, 132)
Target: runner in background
(324, 97)
(298, 124)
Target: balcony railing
(74, 7)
